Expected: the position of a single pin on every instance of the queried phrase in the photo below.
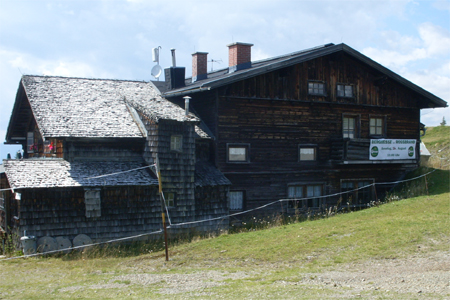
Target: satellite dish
(156, 71)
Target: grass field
(321, 259)
(437, 141)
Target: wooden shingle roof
(208, 175)
(94, 108)
(52, 173)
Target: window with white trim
(236, 200)
(237, 153)
(176, 143)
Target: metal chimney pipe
(174, 63)
(186, 104)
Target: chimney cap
(201, 53)
(239, 43)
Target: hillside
(398, 250)
(437, 141)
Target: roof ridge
(85, 78)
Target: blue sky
(114, 38)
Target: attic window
(316, 88)
(176, 143)
(344, 90)
(92, 201)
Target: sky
(113, 39)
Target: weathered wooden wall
(125, 211)
(274, 114)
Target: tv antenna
(156, 70)
(212, 61)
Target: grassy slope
(280, 253)
(438, 139)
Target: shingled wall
(125, 211)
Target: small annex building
(89, 150)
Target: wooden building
(305, 126)
(300, 126)
(89, 150)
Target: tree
(443, 123)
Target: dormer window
(345, 90)
(316, 88)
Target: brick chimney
(239, 56)
(199, 66)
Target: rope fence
(217, 218)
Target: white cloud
(436, 39)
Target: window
(345, 90)
(170, 199)
(49, 146)
(31, 146)
(316, 88)
(92, 202)
(305, 193)
(176, 143)
(349, 127)
(238, 153)
(360, 191)
(377, 126)
(236, 200)
(307, 153)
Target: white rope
(217, 218)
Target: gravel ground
(422, 276)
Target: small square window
(176, 143)
(238, 153)
(307, 153)
(345, 90)
(316, 88)
(49, 146)
(170, 199)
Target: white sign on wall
(387, 149)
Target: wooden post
(161, 198)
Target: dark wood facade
(273, 114)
